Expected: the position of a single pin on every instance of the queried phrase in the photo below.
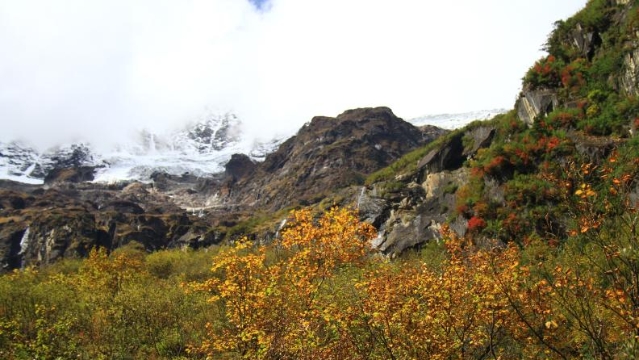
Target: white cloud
(96, 69)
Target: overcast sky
(97, 69)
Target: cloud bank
(77, 69)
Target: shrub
(545, 73)
(476, 224)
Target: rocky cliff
(67, 216)
(39, 225)
(410, 204)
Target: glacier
(199, 149)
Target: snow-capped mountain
(454, 121)
(18, 162)
(200, 149)
(22, 163)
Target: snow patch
(24, 245)
(455, 121)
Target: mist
(75, 70)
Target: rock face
(447, 157)
(411, 215)
(326, 154)
(629, 78)
(70, 174)
(535, 103)
(38, 226)
(586, 41)
(239, 167)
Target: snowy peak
(20, 162)
(216, 134)
(200, 149)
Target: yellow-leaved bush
(284, 306)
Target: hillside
(514, 177)
(362, 236)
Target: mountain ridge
(175, 210)
(202, 148)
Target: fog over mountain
(96, 70)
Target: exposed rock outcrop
(325, 155)
(239, 167)
(447, 157)
(70, 174)
(412, 215)
(38, 226)
(627, 82)
(587, 41)
(535, 103)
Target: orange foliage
(322, 295)
(280, 308)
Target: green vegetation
(126, 305)
(588, 129)
(588, 77)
